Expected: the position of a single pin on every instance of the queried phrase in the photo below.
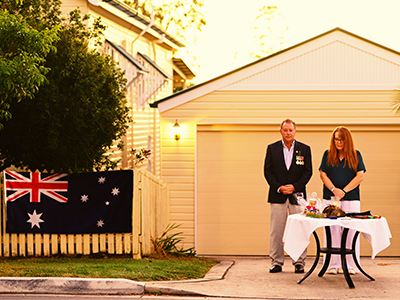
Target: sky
(229, 22)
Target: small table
(299, 229)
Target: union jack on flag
(35, 184)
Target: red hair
(350, 154)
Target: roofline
(155, 104)
(131, 12)
(185, 68)
(129, 57)
(157, 67)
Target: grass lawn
(147, 269)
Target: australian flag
(98, 202)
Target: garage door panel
(248, 237)
(231, 189)
(239, 167)
(231, 212)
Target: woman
(341, 171)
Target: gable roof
(334, 60)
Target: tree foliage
(269, 27)
(22, 54)
(73, 119)
(174, 16)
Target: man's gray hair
(288, 121)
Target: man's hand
(287, 189)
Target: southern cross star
(115, 191)
(34, 219)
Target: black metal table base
(342, 251)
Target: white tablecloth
(299, 229)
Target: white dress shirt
(288, 154)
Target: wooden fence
(150, 217)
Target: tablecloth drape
(299, 229)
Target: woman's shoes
(332, 271)
(351, 271)
(340, 271)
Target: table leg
(315, 261)
(342, 251)
(328, 254)
(355, 257)
(343, 258)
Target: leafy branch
(139, 156)
(167, 243)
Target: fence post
(136, 215)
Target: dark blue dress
(341, 176)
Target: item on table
(363, 215)
(311, 208)
(366, 217)
(333, 211)
(335, 201)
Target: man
(287, 169)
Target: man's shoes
(275, 269)
(299, 268)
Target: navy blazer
(276, 174)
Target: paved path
(241, 277)
(249, 277)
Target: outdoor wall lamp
(177, 129)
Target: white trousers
(279, 213)
(336, 233)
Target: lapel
(280, 155)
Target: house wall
(363, 111)
(69, 5)
(144, 131)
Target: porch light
(177, 129)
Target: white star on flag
(34, 219)
(115, 191)
(102, 180)
(84, 198)
(100, 223)
(107, 202)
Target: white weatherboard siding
(218, 192)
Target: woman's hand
(339, 193)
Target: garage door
(232, 216)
